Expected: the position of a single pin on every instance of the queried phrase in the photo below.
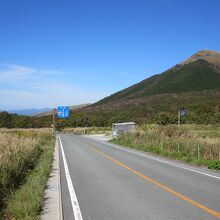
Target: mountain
(193, 84)
(210, 56)
(197, 73)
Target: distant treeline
(207, 114)
(19, 121)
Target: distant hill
(31, 111)
(72, 108)
(43, 111)
(192, 84)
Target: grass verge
(25, 203)
(194, 144)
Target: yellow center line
(167, 189)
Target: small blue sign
(63, 112)
(183, 112)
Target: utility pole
(54, 121)
(179, 118)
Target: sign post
(54, 121)
(62, 113)
(179, 118)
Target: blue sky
(66, 52)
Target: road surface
(102, 181)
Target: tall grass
(191, 143)
(26, 203)
(19, 153)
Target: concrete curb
(52, 209)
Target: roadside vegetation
(88, 130)
(25, 163)
(8, 120)
(203, 108)
(197, 144)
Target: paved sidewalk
(52, 209)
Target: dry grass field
(199, 144)
(20, 151)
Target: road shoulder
(52, 209)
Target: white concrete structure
(120, 128)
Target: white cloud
(25, 87)
(12, 73)
(50, 95)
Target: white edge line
(59, 183)
(162, 161)
(73, 198)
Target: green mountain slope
(196, 76)
(193, 84)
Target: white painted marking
(73, 198)
(163, 161)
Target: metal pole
(54, 121)
(218, 152)
(178, 117)
(198, 152)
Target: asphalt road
(111, 182)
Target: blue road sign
(183, 112)
(63, 112)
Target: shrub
(214, 165)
